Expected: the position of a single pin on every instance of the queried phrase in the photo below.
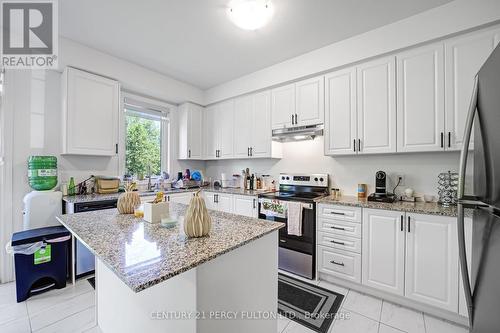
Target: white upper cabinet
(464, 57)
(283, 106)
(340, 115)
(298, 104)
(243, 126)
(376, 104)
(432, 260)
(210, 132)
(383, 250)
(252, 127)
(420, 99)
(309, 102)
(90, 113)
(190, 131)
(225, 122)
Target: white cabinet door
(245, 205)
(283, 106)
(261, 125)
(183, 198)
(310, 101)
(432, 260)
(462, 303)
(340, 116)
(225, 122)
(211, 132)
(195, 129)
(376, 94)
(224, 202)
(91, 106)
(420, 99)
(383, 250)
(243, 126)
(210, 200)
(190, 132)
(464, 57)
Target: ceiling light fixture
(250, 14)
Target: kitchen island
(153, 279)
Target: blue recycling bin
(41, 259)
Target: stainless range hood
(297, 133)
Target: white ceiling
(193, 41)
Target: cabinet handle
(335, 242)
(116, 148)
(354, 145)
(449, 139)
(337, 213)
(168, 198)
(359, 144)
(442, 139)
(251, 151)
(408, 224)
(402, 218)
(254, 203)
(295, 119)
(189, 153)
(337, 263)
(292, 119)
(337, 228)
(248, 151)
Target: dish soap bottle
(71, 186)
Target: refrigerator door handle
(461, 187)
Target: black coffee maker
(381, 194)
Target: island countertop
(143, 254)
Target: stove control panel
(315, 179)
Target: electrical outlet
(403, 180)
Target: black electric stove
(297, 254)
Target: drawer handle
(337, 263)
(337, 228)
(282, 241)
(337, 213)
(335, 242)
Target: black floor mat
(307, 304)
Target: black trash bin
(43, 269)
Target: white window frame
(150, 105)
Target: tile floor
(372, 315)
(73, 310)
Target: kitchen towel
(294, 218)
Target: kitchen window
(145, 142)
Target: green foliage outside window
(143, 146)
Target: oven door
(297, 253)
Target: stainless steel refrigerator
(482, 287)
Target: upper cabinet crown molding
(420, 99)
(90, 113)
(298, 104)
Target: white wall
(420, 169)
(439, 22)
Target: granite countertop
(111, 196)
(431, 208)
(143, 254)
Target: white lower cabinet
(219, 201)
(413, 256)
(343, 264)
(432, 260)
(245, 205)
(183, 198)
(384, 250)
